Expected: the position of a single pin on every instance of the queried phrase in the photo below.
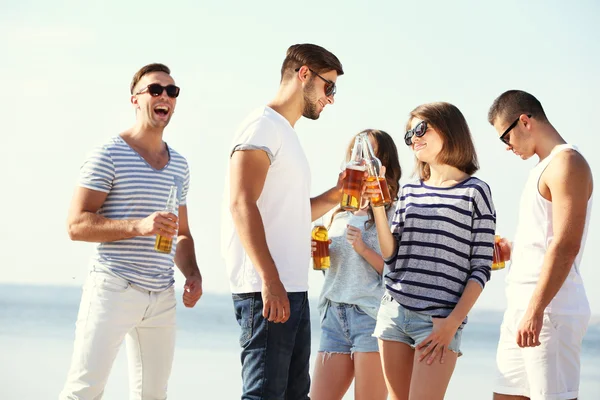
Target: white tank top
(534, 235)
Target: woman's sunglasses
(417, 131)
(156, 89)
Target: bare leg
(369, 383)
(397, 362)
(332, 376)
(431, 381)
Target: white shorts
(546, 372)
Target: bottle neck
(171, 205)
(372, 162)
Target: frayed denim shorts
(398, 324)
(346, 329)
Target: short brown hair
(315, 57)
(458, 149)
(156, 67)
(513, 103)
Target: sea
(37, 325)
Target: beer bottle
(498, 261)
(320, 257)
(353, 183)
(373, 165)
(164, 244)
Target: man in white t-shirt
(548, 311)
(267, 215)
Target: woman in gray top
(352, 293)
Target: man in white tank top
(548, 311)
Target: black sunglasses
(330, 88)
(503, 137)
(156, 89)
(417, 131)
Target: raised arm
(324, 202)
(388, 243)
(388, 238)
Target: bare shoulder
(569, 172)
(569, 162)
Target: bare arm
(83, 224)
(185, 259)
(465, 303)
(354, 237)
(444, 329)
(387, 242)
(185, 256)
(324, 202)
(569, 180)
(373, 258)
(248, 172)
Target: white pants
(111, 310)
(549, 371)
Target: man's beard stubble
(310, 106)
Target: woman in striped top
(439, 251)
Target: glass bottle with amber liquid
(164, 244)
(353, 183)
(498, 261)
(373, 165)
(320, 257)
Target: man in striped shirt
(123, 186)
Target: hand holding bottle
(320, 247)
(158, 223)
(355, 171)
(376, 175)
(164, 237)
(374, 188)
(502, 252)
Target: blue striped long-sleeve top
(444, 239)
(135, 190)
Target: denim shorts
(399, 324)
(346, 329)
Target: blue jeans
(275, 357)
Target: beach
(37, 326)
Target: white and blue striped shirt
(135, 190)
(445, 238)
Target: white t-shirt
(284, 205)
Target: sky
(66, 68)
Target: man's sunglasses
(417, 131)
(330, 88)
(156, 89)
(504, 137)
